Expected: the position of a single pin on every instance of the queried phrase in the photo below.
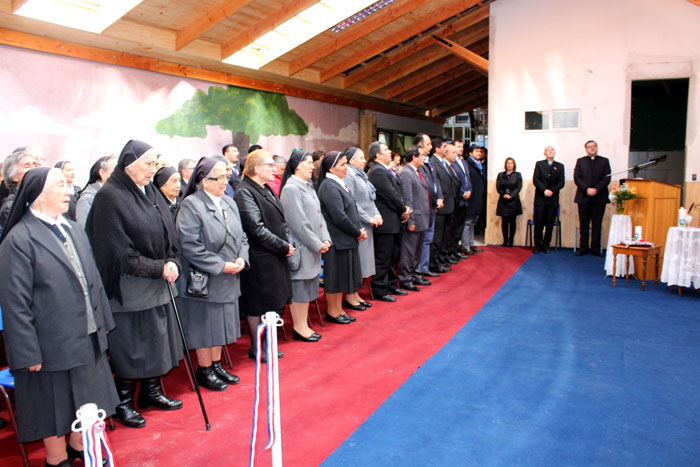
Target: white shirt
(60, 221)
(337, 179)
(215, 199)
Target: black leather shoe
(596, 253)
(461, 256)
(430, 274)
(478, 250)
(545, 250)
(581, 252)
(208, 379)
(151, 395)
(409, 286)
(74, 454)
(450, 260)
(63, 463)
(366, 304)
(470, 252)
(397, 291)
(421, 281)
(385, 298)
(263, 357)
(350, 306)
(224, 375)
(125, 412)
(341, 319)
(351, 318)
(312, 338)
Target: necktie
(54, 228)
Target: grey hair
(184, 163)
(374, 148)
(103, 163)
(278, 160)
(9, 169)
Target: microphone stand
(635, 169)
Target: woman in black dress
(168, 182)
(135, 245)
(267, 285)
(342, 271)
(56, 317)
(508, 184)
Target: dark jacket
(478, 180)
(592, 174)
(509, 185)
(339, 211)
(449, 184)
(267, 284)
(548, 177)
(433, 184)
(43, 307)
(464, 183)
(389, 201)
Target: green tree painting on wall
(255, 113)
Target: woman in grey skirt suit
(56, 317)
(309, 233)
(364, 193)
(211, 241)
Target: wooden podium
(656, 210)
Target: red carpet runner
(327, 388)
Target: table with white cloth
(620, 231)
(682, 257)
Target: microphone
(658, 159)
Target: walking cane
(187, 356)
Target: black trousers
(590, 216)
(460, 216)
(544, 223)
(508, 229)
(441, 240)
(387, 248)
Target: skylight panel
(86, 15)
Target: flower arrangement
(621, 193)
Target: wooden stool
(641, 251)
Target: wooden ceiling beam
(475, 104)
(460, 103)
(353, 33)
(274, 19)
(696, 2)
(444, 13)
(465, 87)
(430, 86)
(416, 46)
(17, 4)
(431, 73)
(475, 60)
(441, 87)
(205, 22)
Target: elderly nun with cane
(266, 284)
(342, 272)
(135, 245)
(310, 235)
(214, 246)
(56, 317)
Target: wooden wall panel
(692, 195)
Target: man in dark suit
(592, 176)
(548, 180)
(465, 191)
(387, 240)
(439, 251)
(425, 145)
(417, 197)
(231, 153)
(477, 176)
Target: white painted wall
(572, 54)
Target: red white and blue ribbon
(90, 423)
(262, 327)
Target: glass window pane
(537, 120)
(565, 118)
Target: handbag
(294, 261)
(198, 281)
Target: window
(555, 120)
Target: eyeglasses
(220, 178)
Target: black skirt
(342, 271)
(47, 400)
(145, 343)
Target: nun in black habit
(133, 238)
(56, 317)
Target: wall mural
(80, 110)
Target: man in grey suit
(416, 196)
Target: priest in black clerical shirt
(549, 181)
(592, 176)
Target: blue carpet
(558, 368)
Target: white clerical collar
(337, 179)
(60, 221)
(215, 199)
